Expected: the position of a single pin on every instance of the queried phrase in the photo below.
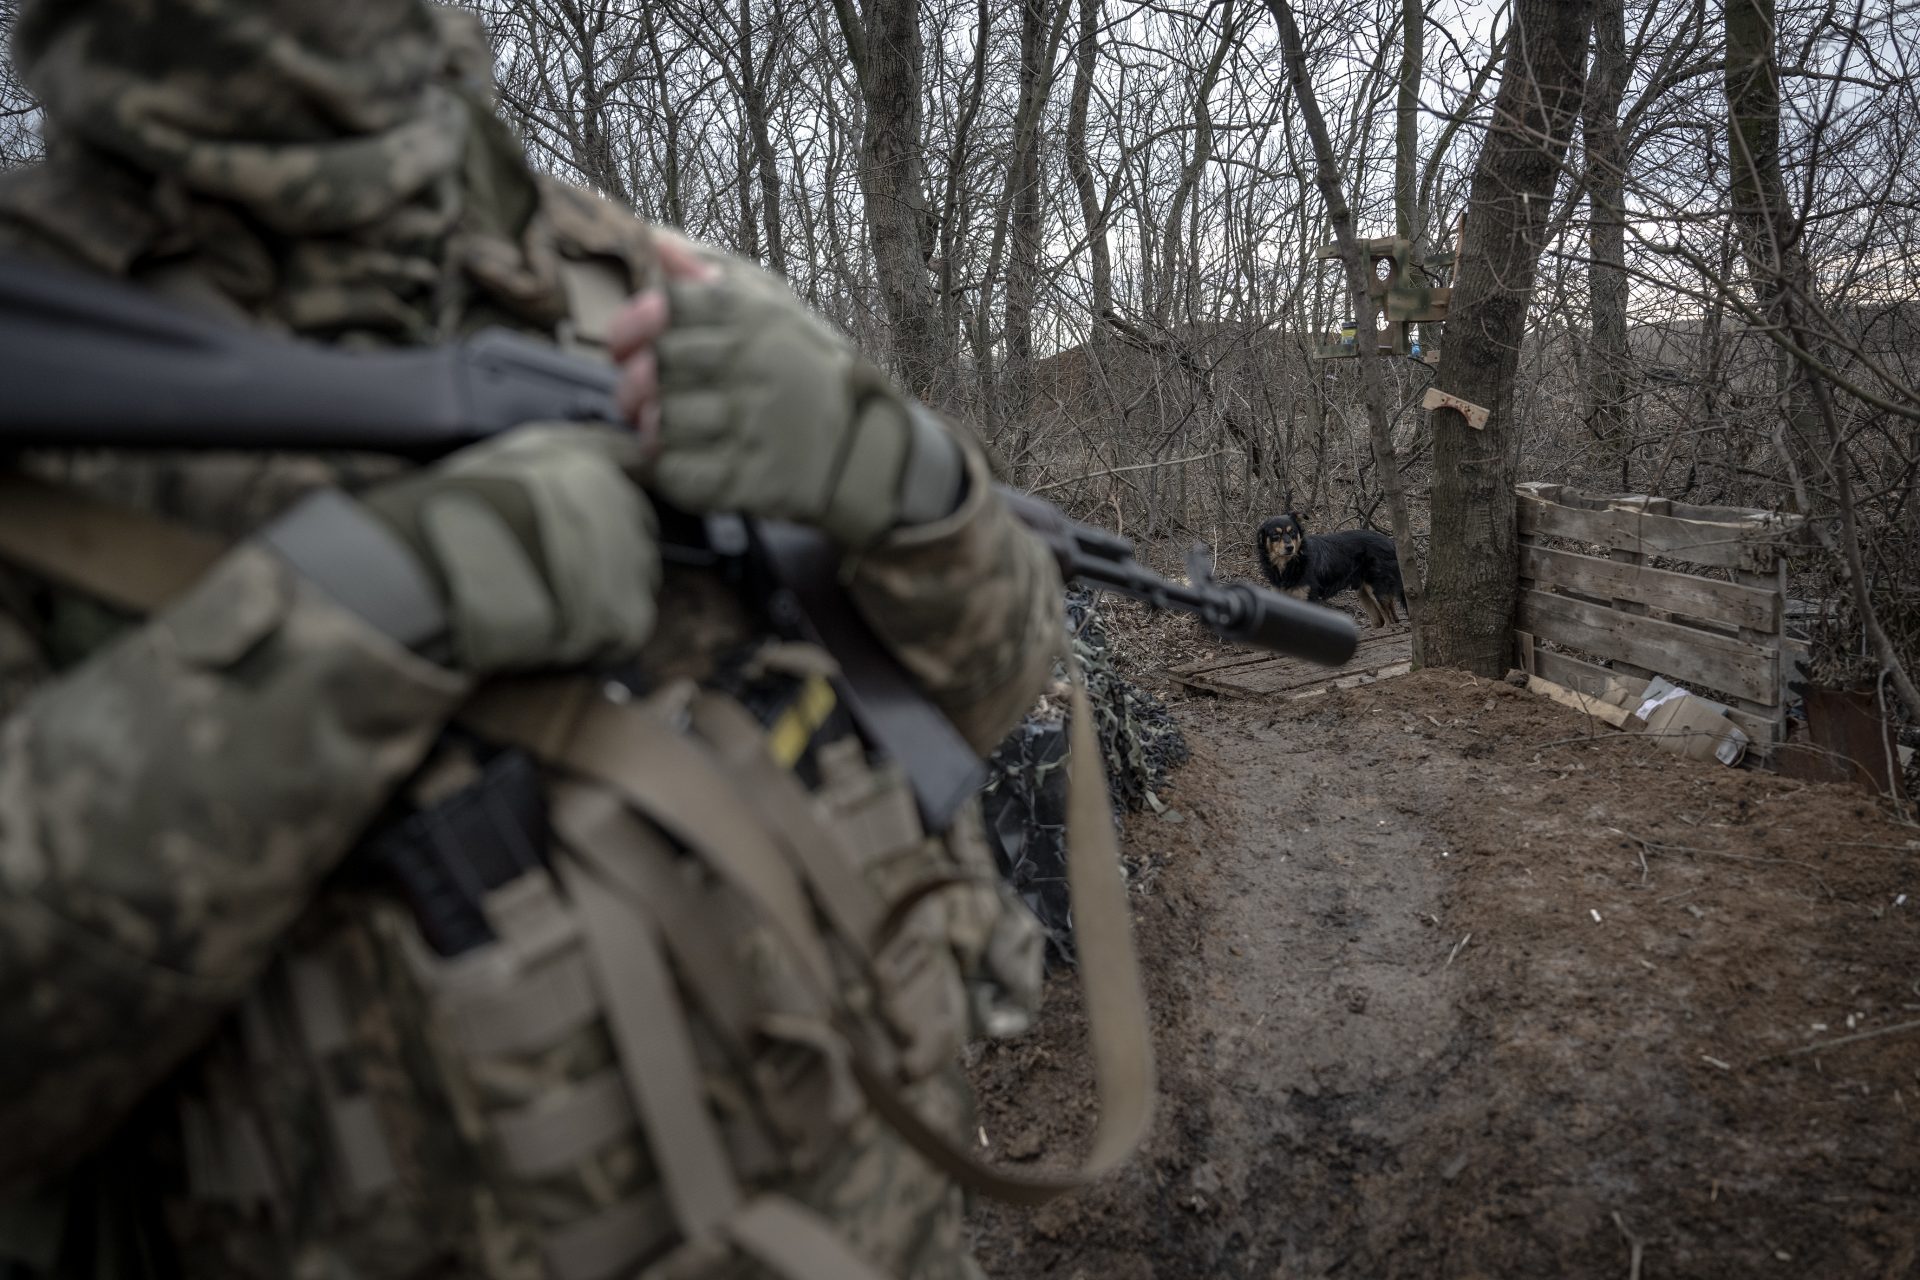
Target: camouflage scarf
(332, 167)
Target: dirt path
(1354, 1086)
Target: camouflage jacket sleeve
(971, 605)
(167, 808)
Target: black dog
(1318, 567)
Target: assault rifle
(88, 363)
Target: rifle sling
(138, 562)
(127, 559)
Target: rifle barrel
(1235, 611)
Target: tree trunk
(1468, 618)
(884, 44)
(954, 204)
(755, 71)
(1604, 175)
(747, 233)
(1814, 446)
(1172, 240)
(1359, 272)
(1409, 218)
(1040, 33)
(673, 209)
(592, 141)
(1092, 213)
(590, 134)
(1768, 238)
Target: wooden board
(1372, 643)
(1377, 247)
(1724, 603)
(1724, 638)
(1684, 654)
(1772, 638)
(1352, 681)
(1585, 703)
(1571, 672)
(1781, 528)
(1380, 656)
(1410, 304)
(1731, 545)
(1437, 399)
(1787, 528)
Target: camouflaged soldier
(698, 1005)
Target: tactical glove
(765, 410)
(537, 548)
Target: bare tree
(1093, 205)
(1359, 275)
(1468, 617)
(745, 46)
(19, 143)
(1604, 177)
(1814, 446)
(884, 48)
(1410, 218)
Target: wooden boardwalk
(1381, 656)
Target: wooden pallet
(1381, 655)
(1719, 628)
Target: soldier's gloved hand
(542, 545)
(534, 549)
(767, 411)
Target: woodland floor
(1447, 984)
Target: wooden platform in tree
(1262, 675)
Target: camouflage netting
(1025, 796)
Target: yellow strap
(785, 809)
(788, 737)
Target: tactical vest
(665, 984)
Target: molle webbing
(670, 778)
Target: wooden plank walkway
(1381, 656)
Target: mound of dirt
(1448, 982)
